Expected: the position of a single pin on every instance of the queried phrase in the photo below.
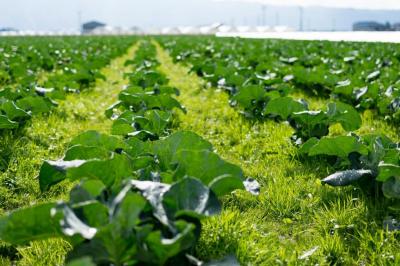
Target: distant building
(396, 26)
(91, 26)
(136, 30)
(7, 29)
(371, 26)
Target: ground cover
(295, 220)
(137, 199)
(46, 137)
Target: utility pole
(277, 19)
(264, 15)
(232, 22)
(79, 20)
(301, 11)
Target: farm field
(171, 150)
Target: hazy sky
(361, 4)
(64, 14)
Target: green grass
(294, 213)
(44, 138)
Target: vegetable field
(198, 151)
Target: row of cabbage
(141, 192)
(360, 74)
(71, 64)
(23, 59)
(259, 76)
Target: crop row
(22, 59)
(73, 64)
(360, 74)
(140, 197)
(260, 75)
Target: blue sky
(64, 14)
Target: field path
(210, 115)
(294, 212)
